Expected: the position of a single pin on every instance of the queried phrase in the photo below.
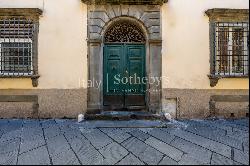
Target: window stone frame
(222, 15)
(32, 14)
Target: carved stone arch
(101, 15)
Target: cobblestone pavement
(119, 142)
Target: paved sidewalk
(120, 142)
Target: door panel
(135, 94)
(124, 68)
(113, 66)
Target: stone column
(155, 68)
(94, 60)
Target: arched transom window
(124, 32)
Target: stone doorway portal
(142, 18)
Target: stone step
(124, 115)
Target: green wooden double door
(124, 75)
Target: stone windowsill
(215, 78)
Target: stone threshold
(124, 115)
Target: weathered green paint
(124, 70)
(114, 60)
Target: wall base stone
(194, 103)
(53, 103)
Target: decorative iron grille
(124, 32)
(16, 46)
(231, 49)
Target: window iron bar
(231, 49)
(16, 43)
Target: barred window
(16, 42)
(231, 49)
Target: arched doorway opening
(124, 66)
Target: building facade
(99, 55)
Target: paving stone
(9, 158)
(219, 126)
(51, 132)
(189, 160)
(1, 133)
(221, 160)
(113, 153)
(238, 134)
(141, 150)
(3, 122)
(31, 124)
(48, 123)
(57, 144)
(130, 160)
(9, 145)
(232, 124)
(241, 157)
(245, 145)
(87, 130)
(233, 142)
(61, 122)
(123, 124)
(98, 138)
(205, 131)
(71, 133)
(86, 153)
(216, 135)
(11, 127)
(161, 135)
(69, 142)
(204, 142)
(128, 130)
(146, 130)
(164, 148)
(68, 122)
(11, 134)
(16, 122)
(168, 161)
(29, 133)
(79, 143)
(139, 134)
(31, 143)
(201, 154)
(38, 156)
(146, 123)
(116, 134)
(31, 138)
(73, 124)
(65, 157)
(242, 122)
